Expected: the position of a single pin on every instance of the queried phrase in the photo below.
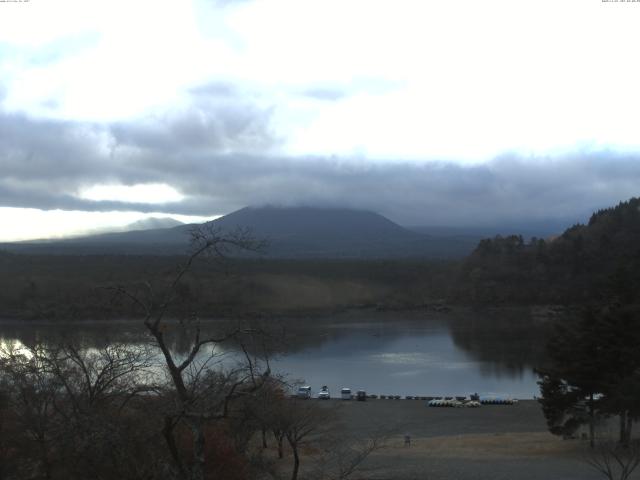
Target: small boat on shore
(498, 401)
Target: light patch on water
(457, 365)
(407, 373)
(421, 359)
(404, 358)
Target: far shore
(540, 314)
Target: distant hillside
(292, 232)
(600, 260)
(528, 229)
(158, 241)
(153, 223)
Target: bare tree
(70, 403)
(299, 420)
(613, 460)
(31, 396)
(343, 455)
(201, 390)
(91, 378)
(9, 431)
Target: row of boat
(474, 403)
(454, 403)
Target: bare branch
(613, 460)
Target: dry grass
(485, 446)
(294, 292)
(468, 456)
(473, 447)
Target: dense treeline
(587, 263)
(50, 287)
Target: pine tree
(594, 371)
(572, 384)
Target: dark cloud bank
(220, 154)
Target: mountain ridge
(293, 232)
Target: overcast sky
(453, 113)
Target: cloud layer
(221, 154)
(404, 107)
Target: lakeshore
(493, 442)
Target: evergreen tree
(594, 370)
(619, 332)
(572, 384)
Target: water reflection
(420, 356)
(396, 354)
(508, 344)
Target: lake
(383, 353)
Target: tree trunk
(279, 439)
(264, 437)
(44, 456)
(592, 420)
(623, 427)
(627, 429)
(167, 432)
(197, 468)
(296, 462)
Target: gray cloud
(325, 93)
(215, 122)
(56, 50)
(333, 92)
(215, 89)
(221, 155)
(224, 3)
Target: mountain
(310, 222)
(292, 232)
(150, 223)
(153, 223)
(324, 232)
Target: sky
(460, 113)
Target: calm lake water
(389, 354)
(418, 358)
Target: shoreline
(538, 313)
(493, 442)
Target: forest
(63, 288)
(587, 263)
